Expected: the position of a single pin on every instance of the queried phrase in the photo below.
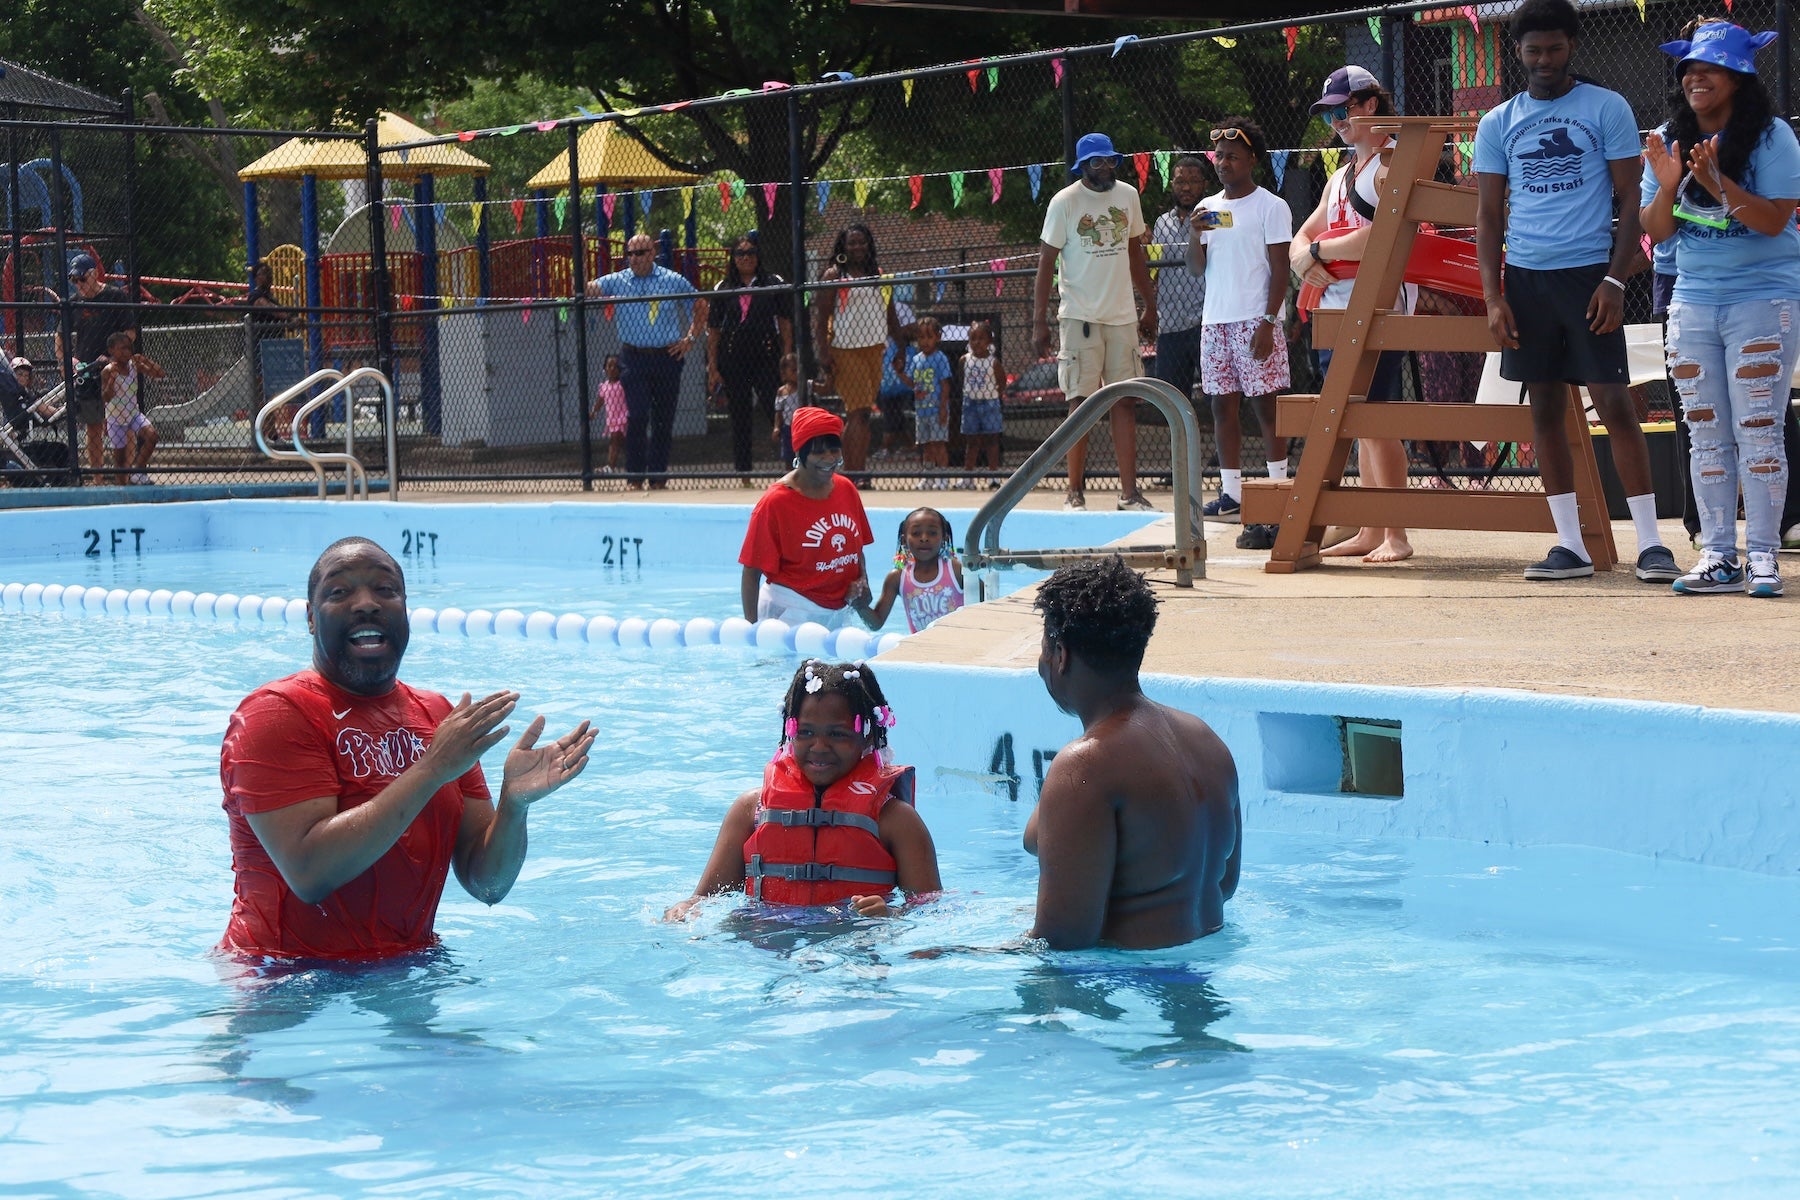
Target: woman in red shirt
(803, 551)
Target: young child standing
(787, 403)
(832, 768)
(928, 372)
(927, 577)
(1240, 241)
(611, 402)
(981, 404)
(129, 433)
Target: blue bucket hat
(1092, 145)
(1723, 45)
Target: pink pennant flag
(1141, 161)
(545, 126)
(1056, 72)
(724, 196)
(1210, 157)
(998, 264)
(467, 135)
(769, 196)
(995, 175)
(608, 202)
(1468, 10)
(525, 314)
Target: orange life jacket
(812, 849)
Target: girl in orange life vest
(833, 820)
(927, 577)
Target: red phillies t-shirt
(300, 738)
(812, 546)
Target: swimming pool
(1385, 1015)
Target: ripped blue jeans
(1731, 364)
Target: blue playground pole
(431, 393)
(252, 232)
(691, 239)
(309, 244)
(484, 285)
(665, 249)
(540, 270)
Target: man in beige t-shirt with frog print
(1095, 226)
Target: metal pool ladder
(1187, 557)
(340, 382)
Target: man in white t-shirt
(1095, 226)
(1242, 349)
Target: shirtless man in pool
(1137, 829)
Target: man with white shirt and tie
(351, 794)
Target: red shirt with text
(301, 738)
(811, 546)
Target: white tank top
(1341, 213)
(860, 319)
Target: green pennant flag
(1375, 29)
(561, 205)
(993, 79)
(737, 189)
(956, 188)
(1163, 159)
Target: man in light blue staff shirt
(655, 334)
(1180, 294)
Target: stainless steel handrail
(1187, 557)
(354, 474)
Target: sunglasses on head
(1233, 134)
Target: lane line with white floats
(657, 633)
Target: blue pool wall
(1707, 786)
(1716, 787)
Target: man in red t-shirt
(351, 794)
(803, 552)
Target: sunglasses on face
(637, 253)
(1339, 113)
(744, 253)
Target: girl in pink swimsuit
(927, 578)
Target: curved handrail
(1188, 555)
(354, 472)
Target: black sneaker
(1560, 563)
(1225, 508)
(1256, 537)
(1656, 565)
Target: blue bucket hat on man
(1092, 145)
(1723, 45)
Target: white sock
(1567, 515)
(1278, 470)
(1231, 483)
(1643, 515)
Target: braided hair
(855, 682)
(948, 548)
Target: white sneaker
(1765, 579)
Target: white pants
(774, 600)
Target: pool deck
(1457, 615)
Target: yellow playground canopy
(612, 158)
(345, 159)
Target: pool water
(1379, 1018)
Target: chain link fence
(486, 272)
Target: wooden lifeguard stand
(1316, 497)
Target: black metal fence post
(380, 295)
(578, 274)
(1783, 21)
(797, 229)
(14, 227)
(65, 315)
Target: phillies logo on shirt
(384, 756)
(819, 529)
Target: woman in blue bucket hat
(1722, 178)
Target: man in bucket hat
(1095, 226)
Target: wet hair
(840, 248)
(1100, 609)
(1751, 113)
(318, 568)
(116, 337)
(1259, 142)
(943, 525)
(1545, 16)
(855, 682)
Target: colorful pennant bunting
(1035, 173)
(561, 206)
(1141, 162)
(861, 187)
(1056, 72)
(998, 264)
(823, 190)
(956, 189)
(769, 196)
(518, 207)
(1278, 160)
(1375, 29)
(995, 176)
(906, 90)
(916, 184)
(724, 196)
(1163, 161)
(1291, 34)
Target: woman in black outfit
(749, 336)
